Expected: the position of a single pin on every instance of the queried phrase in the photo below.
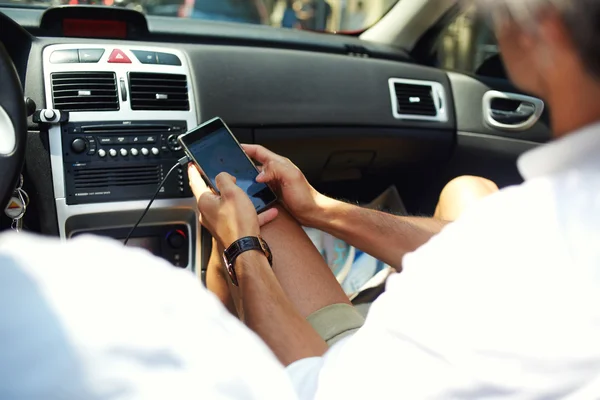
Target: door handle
(511, 111)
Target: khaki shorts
(336, 322)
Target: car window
(468, 45)
(315, 15)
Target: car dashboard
(341, 115)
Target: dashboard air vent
(107, 177)
(85, 91)
(418, 100)
(151, 91)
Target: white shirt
(502, 304)
(90, 319)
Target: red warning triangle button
(117, 56)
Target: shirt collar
(567, 152)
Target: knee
(460, 193)
(467, 184)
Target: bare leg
(461, 193)
(301, 270)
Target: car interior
(93, 99)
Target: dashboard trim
(125, 113)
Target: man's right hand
(290, 184)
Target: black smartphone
(214, 149)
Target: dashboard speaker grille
(85, 91)
(152, 91)
(415, 99)
(100, 178)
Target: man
(501, 303)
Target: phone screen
(215, 150)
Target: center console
(127, 104)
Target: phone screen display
(217, 152)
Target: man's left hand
(230, 216)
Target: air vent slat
(85, 91)
(152, 91)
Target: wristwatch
(241, 246)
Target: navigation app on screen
(218, 152)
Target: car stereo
(117, 161)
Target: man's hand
(300, 198)
(230, 216)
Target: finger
(267, 216)
(272, 171)
(226, 184)
(260, 153)
(196, 182)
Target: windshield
(314, 15)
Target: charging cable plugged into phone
(214, 149)
(183, 161)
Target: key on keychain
(17, 205)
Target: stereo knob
(176, 239)
(123, 152)
(102, 153)
(145, 151)
(134, 152)
(112, 152)
(78, 145)
(155, 151)
(173, 143)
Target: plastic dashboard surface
(256, 87)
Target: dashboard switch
(134, 152)
(145, 151)
(102, 153)
(64, 56)
(145, 57)
(123, 152)
(168, 59)
(112, 152)
(117, 56)
(155, 151)
(90, 55)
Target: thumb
(269, 173)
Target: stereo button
(102, 153)
(155, 151)
(112, 152)
(123, 152)
(134, 152)
(145, 151)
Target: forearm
(385, 236)
(268, 312)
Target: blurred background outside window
(317, 15)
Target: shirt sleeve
(304, 375)
(91, 319)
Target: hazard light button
(117, 56)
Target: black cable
(182, 161)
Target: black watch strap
(241, 246)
